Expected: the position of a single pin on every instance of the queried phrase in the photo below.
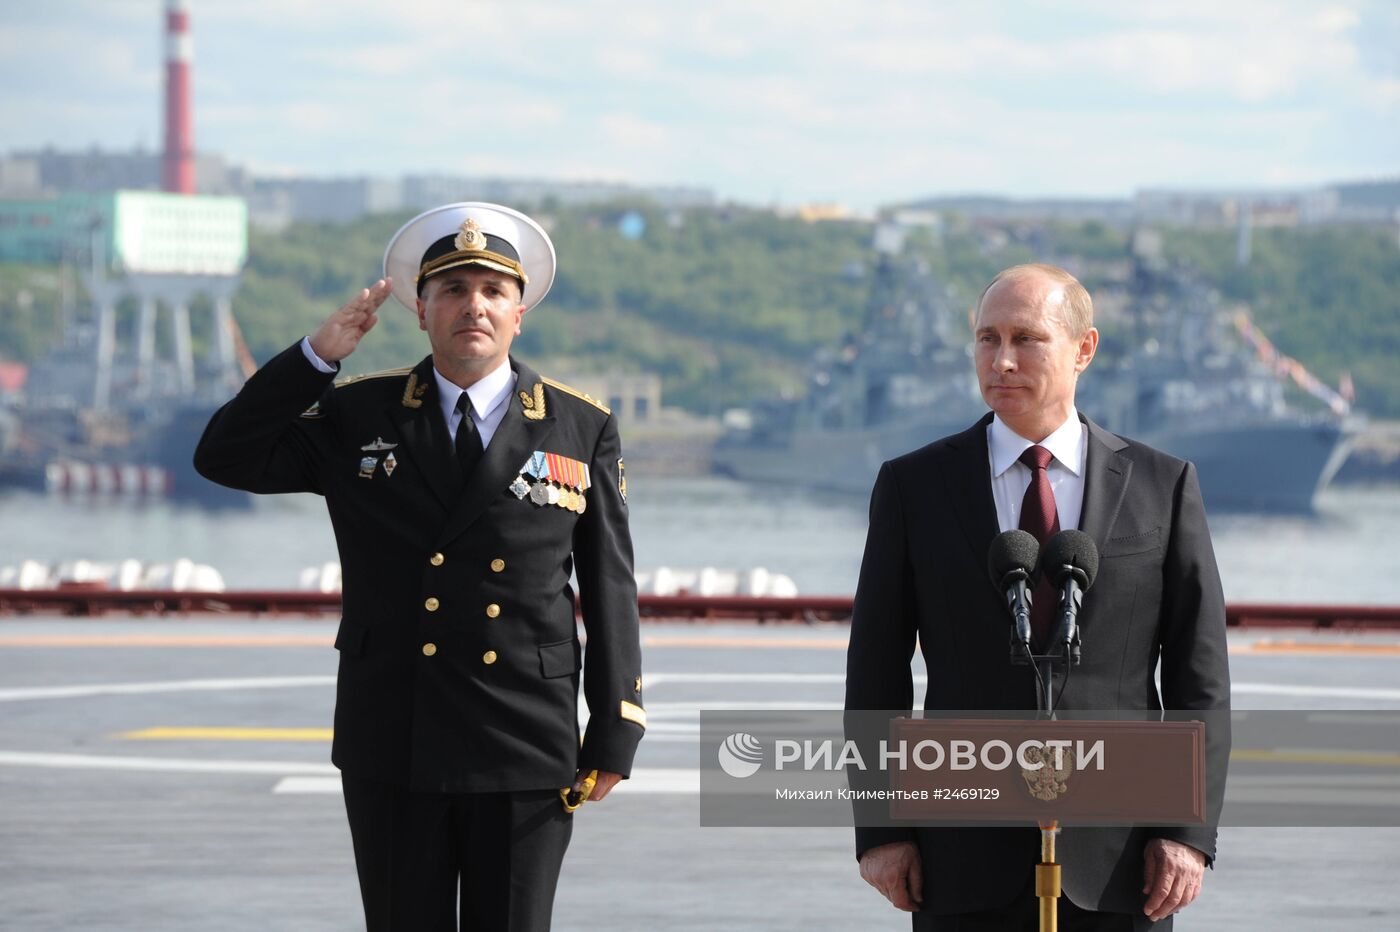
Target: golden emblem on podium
(1048, 782)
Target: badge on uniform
(368, 463)
(558, 481)
(413, 392)
(533, 405)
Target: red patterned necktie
(1040, 517)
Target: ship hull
(160, 457)
(1259, 468)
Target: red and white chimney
(177, 170)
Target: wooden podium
(1095, 772)
(1147, 773)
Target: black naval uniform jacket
(1157, 596)
(459, 654)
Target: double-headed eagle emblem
(1048, 782)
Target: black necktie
(1040, 517)
(468, 444)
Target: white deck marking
(1316, 692)
(163, 764)
(645, 781)
(22, 694)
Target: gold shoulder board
(383, 374)
(570, 390)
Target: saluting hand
(342, 331)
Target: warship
(147, 348)
(98, 416)
(139, 444)
(1192, 377)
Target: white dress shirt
(1068, 444)
(311, 357)
(487, 394)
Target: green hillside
(728, 305)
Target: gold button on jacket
(431, 604)
(429, 650)
(489, 657)
(436, 559)
(497, 565)
(493, 610)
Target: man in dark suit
(933, 515)
(463, 492)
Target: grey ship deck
(108, 826)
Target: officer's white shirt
(1069, 444)
(488, 395)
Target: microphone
(1011, 564)
(1070, 561)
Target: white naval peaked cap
(470, 233)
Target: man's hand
(897, 872)
(341, 333)
(606, 781)
(1172, 875)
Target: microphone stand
(1064, 649)
(1047, 872)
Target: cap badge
(471, 236)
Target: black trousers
(1023, 915)
(426, 858)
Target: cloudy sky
(764, 100)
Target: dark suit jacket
(1157, 596)
(443, 718)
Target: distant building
(1223, 208)
(1369, 201)
(421, 192)
(135, 231)
(825, 212)
(1364, 202)
(19, 177)
(12, 378)
(276, 202)
(104, 170)
(635, 399)
(1037, 210)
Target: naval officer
(463, 491)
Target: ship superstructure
(1190, 383)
